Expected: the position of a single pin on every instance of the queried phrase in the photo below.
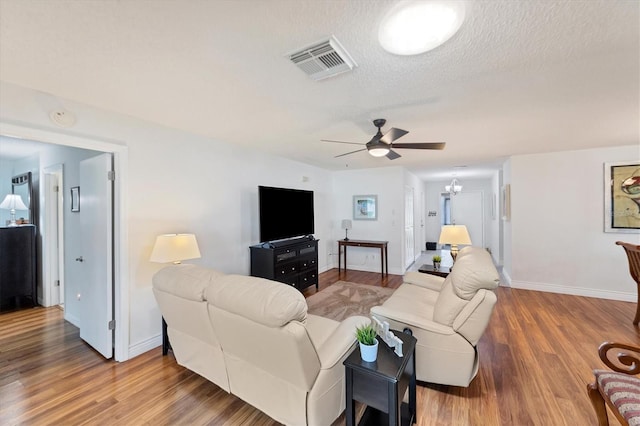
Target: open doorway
(120, 269)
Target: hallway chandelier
(454, 187)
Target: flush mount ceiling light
(412, 26)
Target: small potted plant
(366, 336)
(436, 262)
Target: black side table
(166, 345)
(443, 271)
(381, 385)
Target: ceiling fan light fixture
(413, 27)
(379, 151)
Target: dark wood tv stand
(293, 262)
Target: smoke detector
(323, 59)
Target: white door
(409, 238)
(467, 209)
(96, 226)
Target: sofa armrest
(340, 341)
(411, 320)
(432, 282)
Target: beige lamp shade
(175, 248)
(454, 234)
(346, 224)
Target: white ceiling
(519, 77)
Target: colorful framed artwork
(365, 207)
(622, 197)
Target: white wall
(495, 221)
(388, 184)
(557, 217)
(179, 182)
(507, 245)
(414, 182)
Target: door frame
(48, 242)
(120, 235)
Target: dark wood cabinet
(17, 267)
(293, 262)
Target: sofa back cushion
(473, 271)
(185, 280)
(263, 301)
(262, 331)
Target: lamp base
(346, 235)
(12, 222)
(454, 252)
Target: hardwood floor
(536, 359)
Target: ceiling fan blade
(350, 143)
(424, 145)
(352, 152)
(393, 134)
(392, 155)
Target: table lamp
(346, 225)
(13, 202)
(175, 248)
(454, 235)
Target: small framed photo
(75, 199)
(622, 197)
(365, 207)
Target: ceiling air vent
(323, 59)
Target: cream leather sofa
(446, 316)
(254, 338)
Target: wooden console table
(382, 245)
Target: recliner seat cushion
(264, 301)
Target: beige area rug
(344, 299)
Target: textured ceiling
(519, 77)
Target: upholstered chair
(633, 256)
(447, 316)
(618, 389)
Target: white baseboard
(72, 319)
(145, 346)
(507, 279)
(575, 291)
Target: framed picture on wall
(365, 207)
(75, 199)
(622, 197)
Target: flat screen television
(285, 213)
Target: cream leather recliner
(266, 349)
(446, 316)
(180, 293)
